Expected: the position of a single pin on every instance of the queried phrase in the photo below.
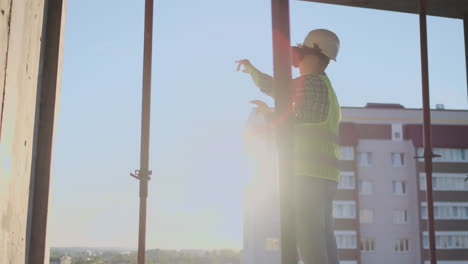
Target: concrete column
(48, 93)
(20, 47)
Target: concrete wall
(20, 46)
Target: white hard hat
(325, 40)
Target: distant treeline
(154, 256)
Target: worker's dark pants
(314, 220)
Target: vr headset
(299, 52)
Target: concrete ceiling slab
(441, 8)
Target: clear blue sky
(200, 105)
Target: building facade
(380, 209)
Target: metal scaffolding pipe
(281, 87)
(144, 173)
(428, 155)
(465, 31)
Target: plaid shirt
(310, 95)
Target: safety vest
(316, 147)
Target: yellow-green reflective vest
(316, 147)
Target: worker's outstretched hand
(262, 107)
(246, 63)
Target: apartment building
(386, 183)
(380, 210)
(450, 190)
(392, 183)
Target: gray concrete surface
(21, 57)
(20, 45)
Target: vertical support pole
(282, 89)
(465, 30)
(144, 172)
(48, 91)
(428, 155)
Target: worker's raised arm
(263, 81)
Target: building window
(400, 216)
(402, 245)
(447, 210)
(447, 154)
(398, 159)
(346, 180)
(271, 244)
(346, 153)
(364, 159)
(344, 209)
(397, 132)
(399, 187)
(366, 216)
(345, 239)
(448, 240)
(365, 187)
(445, 182)
(367, 244)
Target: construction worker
(317, 116)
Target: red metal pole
(144, 172)
(428, 155)
(282, 86)
(465, 31)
